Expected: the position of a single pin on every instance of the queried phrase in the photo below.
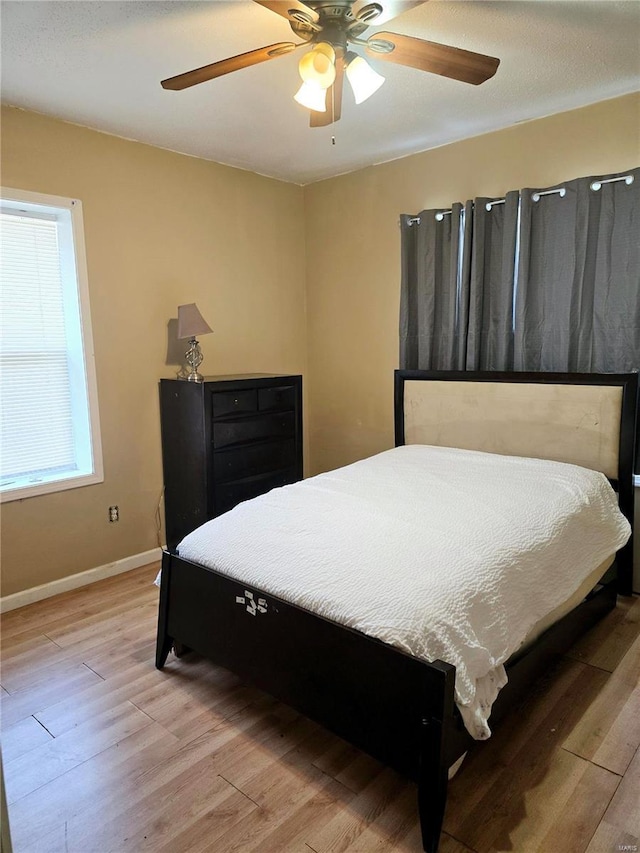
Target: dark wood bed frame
(393, 706)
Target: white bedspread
(447, 554)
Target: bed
(380, 696)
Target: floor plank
(22, 737)
(608, 733)
(92, 789)
(345, 828)
(62, 683)
(183, 801)
(608, 838)
(624, 810)
(59, 755)
(608, 642)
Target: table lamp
(192, 323)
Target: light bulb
(318, 66)
(312, 96)
(363, 79)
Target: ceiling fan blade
(334, 99)
(365, 10)
(289, 8)
(436, 58)
(225, 66)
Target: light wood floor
(104, 753)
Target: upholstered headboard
(585, 419)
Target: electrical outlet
(114, 513)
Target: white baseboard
(46, 590)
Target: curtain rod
(596, 185)
(536, 196)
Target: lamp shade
(318, 66)
(191, 322)
(312, 96)
(363, 79)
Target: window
(49, 427)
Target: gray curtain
(578, 284)
(434, 296)
(548, 280)
(493, 258)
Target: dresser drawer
(233, 402)
(227, 496)
(252, 460)
(276, 399)
(260, 428)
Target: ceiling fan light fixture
(312, 96)
(318, 66)
(363, 79)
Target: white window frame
(39, 203)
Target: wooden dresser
(225, 440)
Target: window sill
(44, 488)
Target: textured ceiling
(100, 64)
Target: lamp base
(193, 357)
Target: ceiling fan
(332, 28)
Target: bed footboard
(399, 709)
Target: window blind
(37, 424)
(45, 417)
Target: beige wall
(161, 229)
